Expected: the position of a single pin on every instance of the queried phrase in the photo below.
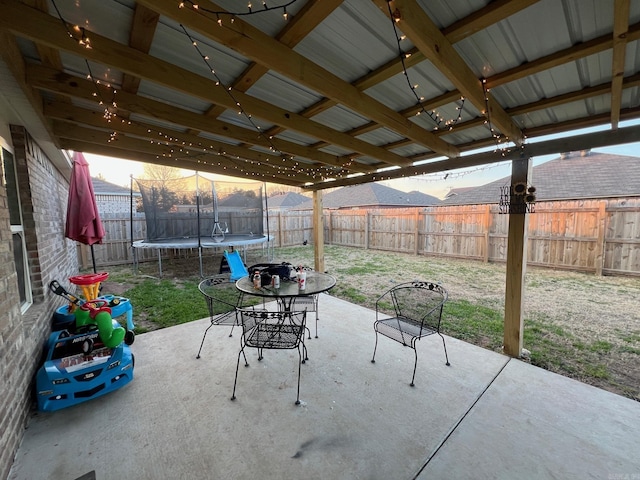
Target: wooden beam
(59, 82)
(229, 169)
(266, 168)
(570, 54)
(178, 140)
(261, 48)
(295, 30)
(568, 144)
(620, 28)
(490, 14)
(41, 28)
(143, 29)
(416, 24)
(516, 266)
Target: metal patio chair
(271, 331)
(408, 312)
(308, 303)
(222, 298)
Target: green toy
(96, 312)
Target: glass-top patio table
(316, 282)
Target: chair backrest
(417, 301)
(225, 297)
(291, 322)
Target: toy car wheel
(87, 346)
(129, 337)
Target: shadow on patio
(485, 416)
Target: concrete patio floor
(485, 416)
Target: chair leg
(373, 359)
(316, 321)
(235, 381)
(306, 354)
(445, 350)
(415, 364)
(299, 371)
(203, 337)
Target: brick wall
(43, 196)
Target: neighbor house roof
(572, 176)
(286, 200)
(102, 187)
(458, 191)
(373, 195)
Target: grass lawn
(576, 324)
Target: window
(9, 181)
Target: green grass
(166, 302)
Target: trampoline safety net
(197, 207)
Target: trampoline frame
(189, 243)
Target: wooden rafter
(416, 24)
(128, 60)
(263, 49)
(142, 30)
(58, 82)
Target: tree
(160, 172)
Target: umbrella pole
(93, 260)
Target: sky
(119, 171)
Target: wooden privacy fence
(599, 236)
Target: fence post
(416, 231)
(366, 229)
(602, 215)
(280, 242)
(487, 228)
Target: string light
(250, 11)
(439, 121)
(499, 140)
(110, 107)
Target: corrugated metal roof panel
(171, 44)
(340, 118)
(283, 92)
(357, 37)
(172, 97)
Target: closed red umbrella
(83, 220)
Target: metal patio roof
(334, 94)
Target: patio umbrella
(83, 221)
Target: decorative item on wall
(518, 198)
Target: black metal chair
(408, 312)
(222, 298)
(271, 331)
(309, 303)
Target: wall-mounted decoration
(517, 198)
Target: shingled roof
(572, 176)
(102, 187)
(373, 195)
(286, 200)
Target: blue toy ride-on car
(87, 358)
(79, 367)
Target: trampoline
(197, 213)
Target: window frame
(17, 229)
